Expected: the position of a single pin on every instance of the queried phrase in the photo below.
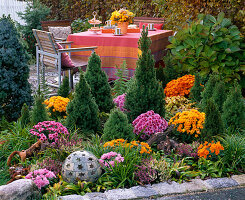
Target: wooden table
(114, 49)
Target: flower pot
(123, 26)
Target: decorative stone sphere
(81, 165)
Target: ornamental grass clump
(141, 146)
(209, 150)
(109, 160)
(119, 101)
(189, 122)
(149, 123)
(57, 106)
(180, 86)
(49, 131)
(41, 177)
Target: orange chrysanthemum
(180, 86)
(190, 121)
(205, 149)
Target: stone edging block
(161, 189)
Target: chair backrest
(63, 23)
(148, 20)
(47, 45)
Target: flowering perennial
(177, 104)
(149, 123)
(143, 147)
(49, 130)
(110, 159)
(119, 101)
(180, 86)
(57, 104)
(122, 16)
(205, 149)
(41, 177)
(190, 122)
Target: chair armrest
(59, 39)
(65, 42)
(77, 49)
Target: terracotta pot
(123, 26)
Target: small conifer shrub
(145, 93)
(213, 124)
(219, 94)
(208, 91)
(82, 110)
(25, 115)
(98, 82)
(39, 111)
(195, 93)
(117, 126)
(15, 90)
(234, 109)
(64, 89)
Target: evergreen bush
(234, 109)
(120, 84)
(25, 115)
(213, 124)
(98, 82)
(208, 91)
(219, 94)
(82, 111)
(145, 93)
(39, 111)
(64, 89)
(195, 93)
(15, 89)
(117, 126)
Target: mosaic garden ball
(81, 165)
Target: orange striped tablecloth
(114, 49)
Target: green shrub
(208, 91)
(33, 15)
(234, 109)
(234, 151)
(207, 46)
(82, 111)
(80, 25)
(98, 82)
(146, 93)
(120, 84)
(196, 90)
(39, 111)
(117, 126)
(25, 115)
(64, 89)
(15, 89)
(219, 94)
(167, 73)
(213, 124)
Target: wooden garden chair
(148, 20)
(48, 54)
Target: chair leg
(59, 68)
(38, 71)
(71, 79)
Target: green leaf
(178, 48)
(211, 18)
(215, 68)
(198, 50)
(226, 22)
(220, 17)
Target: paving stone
(240, 179)
(220, 183)
(119, 194)
(166, 188)
(95, 196)
(195, 185)
(72, 197)
(146, 191)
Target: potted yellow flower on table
(122, 17)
